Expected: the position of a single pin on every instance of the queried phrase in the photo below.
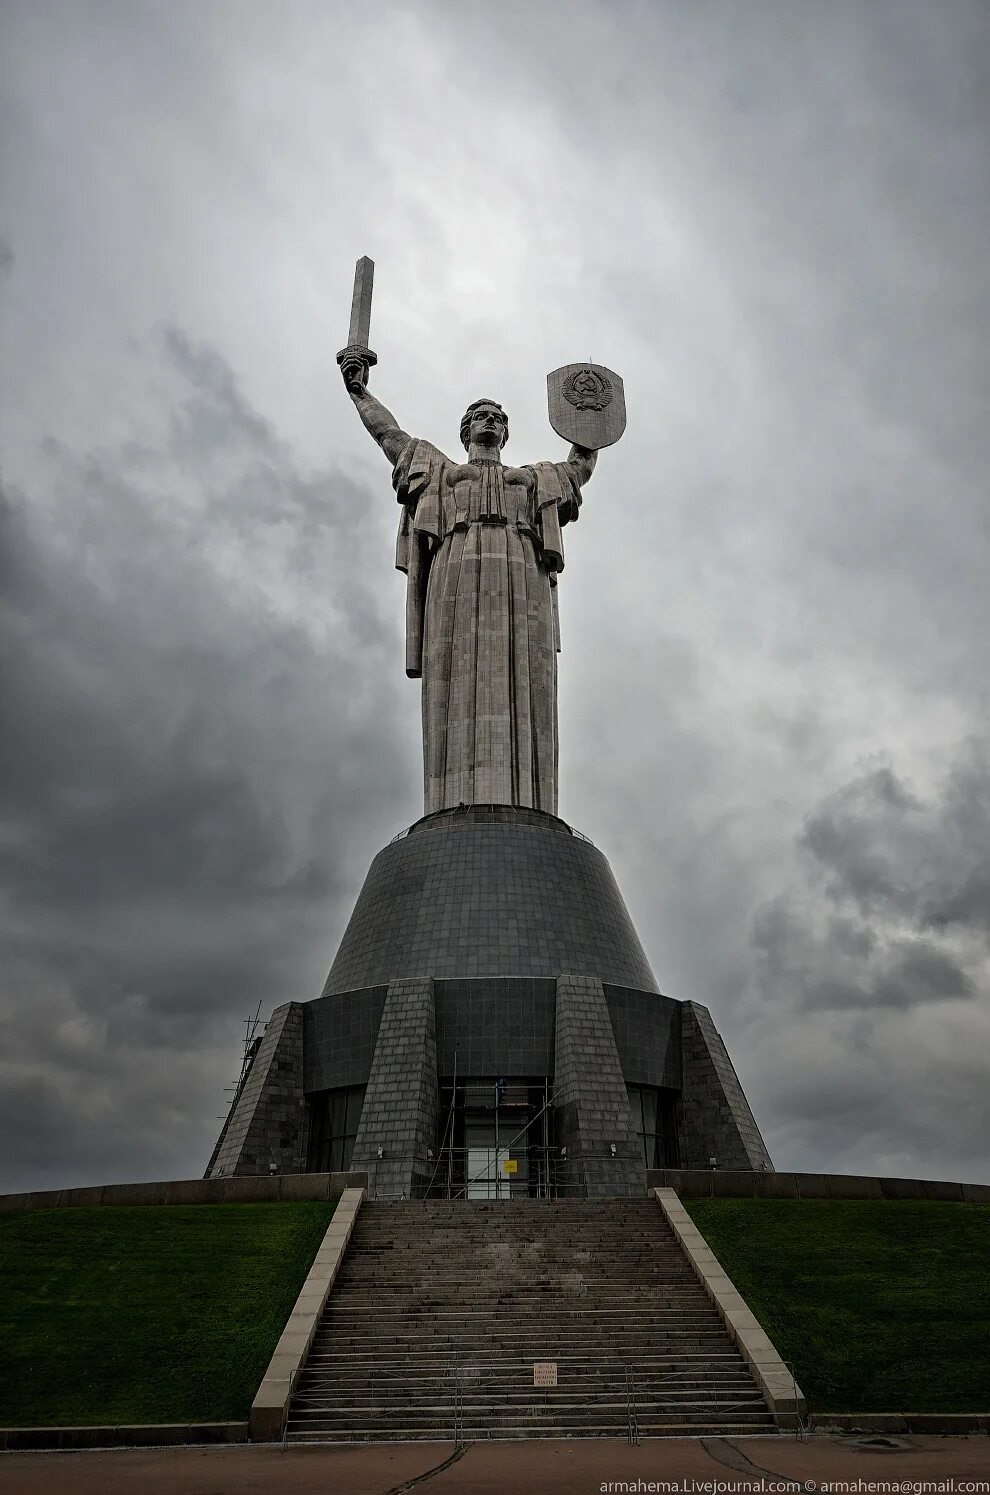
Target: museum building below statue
(490, 1028)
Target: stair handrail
(447, 1131)
(458, 1403)
(801, 1428)
(633, 1420)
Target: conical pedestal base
(491, 1025)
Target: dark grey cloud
(896, 903)
(774, 697)
(875, 964)
(884, 850)
(194, 683)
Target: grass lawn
(879, 1305)
(146, 1314)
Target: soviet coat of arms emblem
(587, 404)
(588, 389)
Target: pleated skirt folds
(489, 673)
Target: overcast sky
(773, 221)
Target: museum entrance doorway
(496, 1139)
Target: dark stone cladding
(489, 891)
(647, 1035)
(496, 1025)
(339, 1039)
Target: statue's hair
(466, 421)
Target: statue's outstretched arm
(582, 461)
(375, 416)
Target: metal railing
(482, 1396)
(450, 1174)
(633, 1419)
(457, 1402)
(802, 1431)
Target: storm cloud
(774, 695)
(195, 678)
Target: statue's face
(487, 426)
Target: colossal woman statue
(481, 547)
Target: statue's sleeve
(558, 498)
(418, 479)
(572, 475)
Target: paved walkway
(536, 1468)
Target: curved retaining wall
(295, 1188)
(728, 1183)
(686, 1182)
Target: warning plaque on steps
(544, 1373)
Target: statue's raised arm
(375, 417)
(356, 360)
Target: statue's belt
(521, 526)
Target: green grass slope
(879, 1305)
(150, 1314)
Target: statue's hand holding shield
(587, 405)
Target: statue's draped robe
(481, 547)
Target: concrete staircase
(441, 1308)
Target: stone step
(515, 1363)
(382, 1236)
(535, 1254)
(443, 1433)
(568, 1245)
(507, 1204)
(490, 1423)
(501, 1288)
(501, 1208)
(534, 1251)
(490, 1282)
(434, 1330)
(506, 1336)
(495, 1414)
(540, 1274)
(319, 1382)
(350, 1370)
(501, 1296)
(520, 1226)
(410, 1227)
(585, 1308)
(649, 1362)
(537, 1269)
(403, 1400)
(572, 1283)
(591, 1319)
(536, 1246)
(702, 1326)
(462, 1352)
(544, 1274)
(697, 1333)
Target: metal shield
(587, 404)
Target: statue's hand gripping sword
(357, 350)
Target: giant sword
(357, 337)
